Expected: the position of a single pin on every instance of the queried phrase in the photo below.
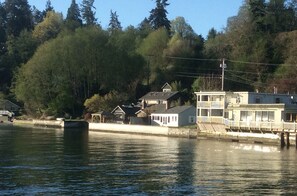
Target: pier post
(296, 140)
(288, 139)
(282, 135)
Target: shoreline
(181, 132)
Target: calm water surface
(53, 162)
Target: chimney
(274, 90)
(143, 104)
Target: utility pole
(223, 66)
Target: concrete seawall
(144, 130)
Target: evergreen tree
(73, 19)
(145, 27)
(19, 16)
(114, 24)
(48, 8)
(212, 33)
(158, 17)
(87, 12)
(280, 17)
(37, 16)
(2, 26)
(257, 10)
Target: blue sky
(202, 15)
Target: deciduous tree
(49, 28)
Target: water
(53, 162)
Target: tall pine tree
(48, 8)
(88, 14)
(114, 24)
(158, 17)
(19, 16)
(2, 26)
(73, 19)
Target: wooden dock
(283, 129)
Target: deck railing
(210, 104)
(250, 125)
(253, 125)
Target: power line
(192, 59)
(230, 60)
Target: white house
(174, 117)
(248, 108)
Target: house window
(264, 116)
(168, 119)
(216, 112)
(175, 118)
(204, 112)
(271, 116)
(277, 100)
(243, 115)
(191, 119)
(257, 100)
(204, 98)
(258, 116)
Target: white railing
(277, 126)
(249, 125)
(210, 104)
(212, 119)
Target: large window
(243, 115)
(217, 112)
(204, 97)
(257, 100)
(204, 112)
(264, 116)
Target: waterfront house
(101, 117)
(245, 109)
(166, 96)
(8, 105)
(174, 117)
(124, 113)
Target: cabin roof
(174, 110)
(159, 95)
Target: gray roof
(174, 110)
(166, 86)
(159, 95)
(128, 110)
(152, 108)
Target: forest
(56, 65)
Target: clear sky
(202, 15)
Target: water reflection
(47, 161)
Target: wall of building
(173, 122)
(251, 97)
(236, 113)
(184, 116)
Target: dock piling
(282, 137)
(288, 139)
